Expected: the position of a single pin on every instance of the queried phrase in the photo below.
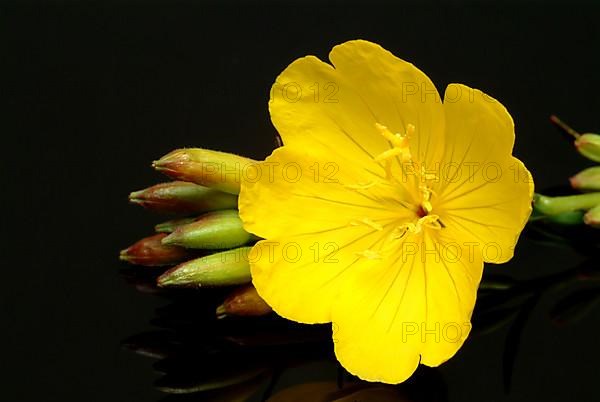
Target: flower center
(399, 152)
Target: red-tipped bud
(587, 180)
(218, 170)
(592, 217)
(182, 198)
(216, 230)
(226, 268)
(244, 302)
(588, 145)
(152, 253)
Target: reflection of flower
(384, 197)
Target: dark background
(94, 91)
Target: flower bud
(170, 226)
(212, 231)
(592, 217)
(151, 252)
(182, 197)
(226, 268)
(556, 205)
(244, 301)
(588, 179)
(219, 170)
(588, 145)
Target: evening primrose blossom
(382, 206)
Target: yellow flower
(382, 206)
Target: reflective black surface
(95, 91)
(206, 358)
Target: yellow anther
(395, 139)
(428, 176)
(426, 194)
(400, 147)
(410, 130)
(388, 154)
(429, 221)
(369, 254)
(400, 144)
(426, 205)
(368, 222)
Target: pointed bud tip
(140, 194)
(165, 227)
(149, 251)
(221, 311)
(592, 221)
(164, 280)
(158, 165)
(588, 179)
(574, 181)
(171, 278)
(137, 201)
(167, 282)
(124, 255)
(588, 145)
(177, 155)
(171, 239)
(173, 169)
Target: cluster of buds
(206, 245)
(584, 206)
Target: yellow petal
(485, 193)
(413, 307)
(299, 276)
(293, 192)
(287, 277)
(335, 108)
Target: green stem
(564, 126)
(556, 205)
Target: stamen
(429, 221)
(401, 230)
(400, 146)
(390, 153)
(426, 192)
(428, 176)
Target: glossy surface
(97, 91)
